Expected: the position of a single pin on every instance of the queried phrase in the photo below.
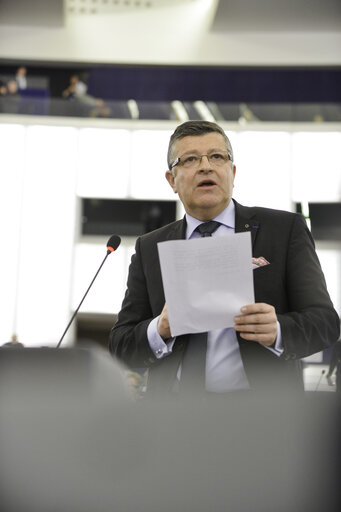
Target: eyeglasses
(188, 161)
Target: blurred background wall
(268, 72)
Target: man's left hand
(258, 322)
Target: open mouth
(206, 183)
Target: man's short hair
(196, 128)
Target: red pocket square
(259, 262)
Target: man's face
(205, 190)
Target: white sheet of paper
(206, 281)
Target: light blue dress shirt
(224, 366)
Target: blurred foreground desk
(71, 440)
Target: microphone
(112, 244)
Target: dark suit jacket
(293, 283)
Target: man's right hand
(163, 324)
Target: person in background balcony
(21, 78)
(77, 91)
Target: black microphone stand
(113, 242)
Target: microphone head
(113, 243)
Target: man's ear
(171, 180)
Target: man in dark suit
(292, 316)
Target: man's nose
(205, 165)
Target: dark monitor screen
(126, 217)
(325, 220)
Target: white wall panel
(103, 163)
(263, 177)
(316, 167)
(12, 158)
(107, 292)
(149, 164)
(48, 226)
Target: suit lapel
(245, 220)
(177, 231)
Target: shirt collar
(226, 217)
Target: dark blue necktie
(207, 228)
(194, 361)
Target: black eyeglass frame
(178, 160)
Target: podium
(72, 440)
(41, 376)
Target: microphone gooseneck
(319, 381)
(112, 244)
